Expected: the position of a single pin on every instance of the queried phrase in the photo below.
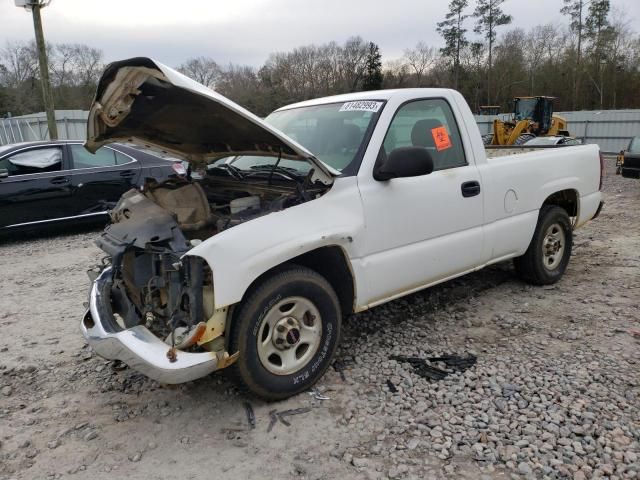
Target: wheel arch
(567, 199)
(330, 261)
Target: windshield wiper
(289, 172)
(233, 171)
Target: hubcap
(553, 246)
(289, 335)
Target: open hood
(144, 101)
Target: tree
(373, 76)
(599, 32)
(574, 9)
(420, 59)
(489, 17)
(203, 70)
(454, 35)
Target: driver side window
(429, 124)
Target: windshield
(634, 146)
(334, 133)
(525, 108)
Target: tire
(524, 138)
(271, 326)
(539, 265)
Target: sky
(246, 31)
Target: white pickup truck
(327, 207)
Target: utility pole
(35, 6)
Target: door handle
(470, 189)
(127, 174)
(60, 180)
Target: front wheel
(547, 257)
(287, 331)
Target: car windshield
(634, 146)
(334, 133)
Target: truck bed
(494, 151)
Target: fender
(239, 255)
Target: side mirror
(405, 162)
(4, 173)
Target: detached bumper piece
(137, 346)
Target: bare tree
(203, 70)
(20, 62)
(420, 58)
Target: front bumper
(137, 346)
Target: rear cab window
(427, 123)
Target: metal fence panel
(610, 129)
(72, 125)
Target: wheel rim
(553, 246)
(289, 335)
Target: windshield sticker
(362, 106)
(441, 138)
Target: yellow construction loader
(532, 117)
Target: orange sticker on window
(441, 138)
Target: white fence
(610, 129)
(72, 125)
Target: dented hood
(144, 101)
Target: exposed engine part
(184, 337)
(237, 205)
(154, 283)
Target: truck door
(426, 228)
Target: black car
(629, 160)
(54, 181)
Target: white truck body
(397, 236)
(407, 234)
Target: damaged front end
(153, 307)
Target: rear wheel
(286, 330)
(547, 257)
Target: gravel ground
(555, 392)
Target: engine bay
(154, 284)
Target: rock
(413, 443)
(7, 390)
(579, 475)
(31, 453)
(524, 468)
(90, 435)
(360, 462)
(54, 443)
(136, 457)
